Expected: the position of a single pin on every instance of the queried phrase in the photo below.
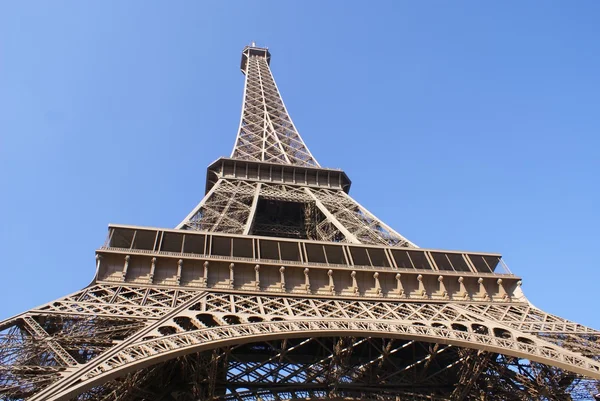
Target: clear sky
(464, 125)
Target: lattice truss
(111, 342)
(330, 215)
(267, 134)
(266, 130)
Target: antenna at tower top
(253, 44)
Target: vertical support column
(231, 277)
(126, 266)
(282, 278)
(152, 269)
(331, 284)
(205, 277)
(257, 277)
(399, 288)
(502, 290)
(421, 292)
(306, 281)
(482, 291)
(179, 270)
(377, 283)
(355, 290)
(462, 291)
(443, 291)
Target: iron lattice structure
(280, 286)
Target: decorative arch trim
(146, 353)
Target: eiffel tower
(280, 286)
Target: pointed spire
(266, 131)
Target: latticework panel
(26, 365)
(36, 350)
(330, 215)
(345, 368)
(199, 345)
(288, 193)
(118, 301)
(266, 130)
(562, 332)
(225, 209)
(363, 225)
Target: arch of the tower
(228, 330)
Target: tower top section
(253, 50)
(266, 133)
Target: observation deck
(184, 258)
(254, 51)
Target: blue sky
(463, 125)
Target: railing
(277, 262)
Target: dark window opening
(122, 238)
(221, 246)
(172, 242)
(275, 218)
(335, 255)
(484, 263)
(269, 250)
(144, 239)
(402, 259)
(315, 253)
(359, 256)
(194, 244)
(289, 251)
(442, 262)
(458, 262)
(378, 257)
(419, 260)
(242, 248)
